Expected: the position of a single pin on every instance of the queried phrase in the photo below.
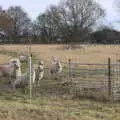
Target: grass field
(58, 109)
(85, 53)
(52, 101)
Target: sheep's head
(16, 67)
(12, 62)
(23, 58)
(58, 66)
(41, 65)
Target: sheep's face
(41, 68)
(15, 64)
(16, 67)
(40, 65)
(23, 58)
(58, 66)
(12, 62)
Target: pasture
(52, 100)
(83, 53)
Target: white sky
(34, 7)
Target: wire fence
(101, 81)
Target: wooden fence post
(109, 77)
(70, 69)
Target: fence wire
(101, 81)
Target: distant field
(84, 53)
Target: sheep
(18, 63)
(56, 67)
(23, 58)
(39, 72)
(8, 70)
(23, 80)
(15, 61)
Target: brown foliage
(5, 22)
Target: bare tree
(21, 21)
(71, 20)
(79, 16)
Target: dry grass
(54, 101)
(86, 53)
(58, 109)
(4, 59)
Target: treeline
(71, 21)
(106, 36)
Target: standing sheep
(39, 72)
(56, 67)
(23, 80)
(8, 70)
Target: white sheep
(18, 63)
(23, 80)
(39, 72)
(23, 58)
(8, 70)
(56, 67)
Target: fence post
(30, 75)
(70, 69)
(109, 77)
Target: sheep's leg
(9, 79)
(52, 75)
(39, 79)
(13, 85)
(1, 73)
(38, 83)
(25, 92)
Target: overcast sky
(34, 7)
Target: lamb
(56, 67)
(39, 72)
